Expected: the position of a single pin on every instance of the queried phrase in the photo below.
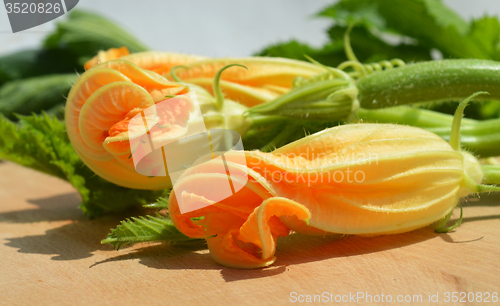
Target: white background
(214, 27)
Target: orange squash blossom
(363, 179)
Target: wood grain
(51, 254)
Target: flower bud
(332, 99)
(365, 179)
(99, 109)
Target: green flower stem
(425, 82)
(347, 45)
(491, 174)
(219, 96)
(441, 225)
(174, 75)
(434, 81)
(480, 137)
(213, 119)
(311, 92)
(260, 121)
(457, 120)
(411, 116)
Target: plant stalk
(480, 137)
(491, 174)
(433, 81)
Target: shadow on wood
(80, 237)
(57, 208)
(76, 239)
(293, 250)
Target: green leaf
(442, 15)
(159, 204)
(145, 229)
(86, 33)
(35, 94)
(360, 12)
(32, 63)
(37, 142)
(486, 34)
(40, 142)
(368, 38)
(258, 137)
(430, 22)
(369, 48)
(331, 54)
(435, 25)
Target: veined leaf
(430, 22)
(370, 48)
(40, 142)
(145, 229)
(486, 32)
(86, 33)
(368, 38)
(33, 95)
(33, 63)
(159, 204)
(360, 12)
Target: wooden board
(51, 254)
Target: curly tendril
(360, 69)
(174, 76)
(329, 74)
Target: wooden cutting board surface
(51, 254)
